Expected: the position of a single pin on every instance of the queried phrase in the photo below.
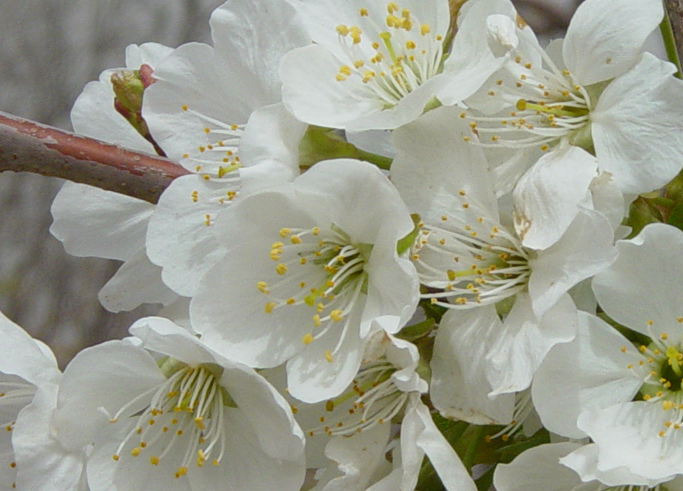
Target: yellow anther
(262, 287)
(181, 472)
(328, 356)
(392, 7)
(268, 308)
(342, 30)
(316, 320)
(115, 457)
(355, 34)
(666, 405)
(154, 460)
(664, 336)
(184, 107)
(281, 269)
(363, 12)
(135, 452)
(295, 239)
(336, 315)
(290, 301)
(425, 29)
(339, 77)
(284, 232)
(307, 339)
(345, 70)
(410, 45)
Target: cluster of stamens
(185, 411)
(548, 106)
(404, 56)
(470, 263)
(218, 159)
(661, 366)
(321, 270)
(372, 400)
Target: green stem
(478, 433)
(670, 43)
(383, 163)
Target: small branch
(26, 146)
(674, 11)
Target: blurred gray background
(48, 51)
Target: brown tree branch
(26, 146)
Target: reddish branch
(26, 146)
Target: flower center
(403, 56)
(371, 400)
(548, 106)
(185, 417)
(472, 262)
(322, 270)
(660, 364)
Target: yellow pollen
(328, 356)
(342, 30)
(410, 45)
(339, 78)
(425, 29)
(135, 452)
(154, 460)
(115, 457)
(295, 239)
(666, 405)
(345, 70)
(181, 472)
(307, 339)
(316, 320)
(268, 308)
(262, 287)
(281, 269)
(336, 315)
(661, 433)
(291, 301)
(284, 232)
(184, 107)
(355, 34)
(392, 7)
(363, 12)
(663, 336)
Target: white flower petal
(539, 468)
(547, 197)
(635, 125)
(584, 250)
(179, 236)
(247, 43)
(591, 371)
(94, 222)
(459, 388)
(648, 263)
(627, 436)
(433, 164)
(524, 341)
(604, 39)
(136, 282)
(43, 464)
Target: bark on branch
(26, 146)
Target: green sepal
(406, 242)
(320, 144)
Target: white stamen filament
(187, 409)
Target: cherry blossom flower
(164, 412)
(594, 90)
(315, 264)
(626, 397)
(379, 65)
(469, 259)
